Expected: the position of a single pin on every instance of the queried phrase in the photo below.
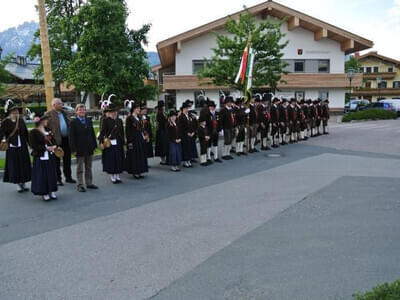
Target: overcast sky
(376, 20)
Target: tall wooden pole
(46, 59)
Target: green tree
(111, 58)
(265, 38)
(4, 75)
(64, 30)
(352, 63)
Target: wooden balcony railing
(300, 81)
(376, 92)
(383, 75)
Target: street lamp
(379, 82)
(350, 75)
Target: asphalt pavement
(315, 220)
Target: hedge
(370, 114)
(386, 291)
(34, 109)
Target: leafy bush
(370, 114)
(153, 122)
(386, 291)
(37, 109)
(33, 108)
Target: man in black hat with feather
(227, 125)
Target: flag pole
(46, 60)
(247, 99)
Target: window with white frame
(323, 66)
(382, 85)
(323, 95)
(299, 95)
(198, 66)
(299, 66)
(199, 101)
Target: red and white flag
(241, 75)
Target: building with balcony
(315, 53)
(24, 86)
(381, 77)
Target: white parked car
(394, 102)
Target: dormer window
(21, 60)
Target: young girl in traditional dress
(174, 140)
(44, 172)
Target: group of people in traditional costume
(54, 138)
(269, 122)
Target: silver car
(353, 105)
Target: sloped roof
(23, 72)
(380, 57)
(350, 42)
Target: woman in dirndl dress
(44, 171)
(112, 141)
(187, 135)
(18, 164)
(136, 156)
(193, 125)
(148, 130)
(174, 141)
(161, 133)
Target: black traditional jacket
(173, 132)
(113, 130)
(162, 121)
(39, 141)
(226, 118)
(275, 114)
(82, 139)
(8, 126)
(283, 114)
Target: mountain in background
(153, 57)
(18, 40)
